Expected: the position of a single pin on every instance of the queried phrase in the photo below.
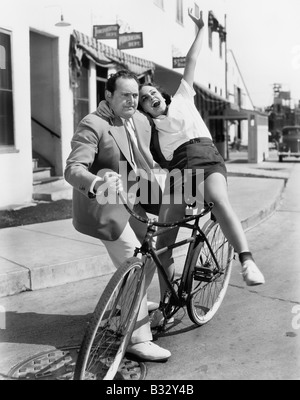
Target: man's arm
(193, 53)
(84, 149)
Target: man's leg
(123, 248)
(141, 344)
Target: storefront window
(81, 93)
(6, 91)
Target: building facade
(53, 73)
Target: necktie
(130, 139)
(136, 156)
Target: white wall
(16, 166)
(19, 17)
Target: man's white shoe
(148, 351)
(251, 274)
(157, 319)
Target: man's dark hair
(125, 74)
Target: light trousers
(121, 249)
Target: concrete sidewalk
(53, 253)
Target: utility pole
(226, 85)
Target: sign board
(106, 31)
(178, 62)
(131, 40)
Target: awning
(232, 113)
(105, 56)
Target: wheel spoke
(209, 276)
(109, 331)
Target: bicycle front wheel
(109, 331)
(208, 277)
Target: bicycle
(200, 288)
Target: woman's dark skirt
(192, 163)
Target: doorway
(45, 101)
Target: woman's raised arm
(193, 53)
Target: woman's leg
(215, 190)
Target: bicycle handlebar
(207, 208)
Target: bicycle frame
(147, 250)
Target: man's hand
(107, 189)
(198, 21)
(111, 180)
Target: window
(210, 40)
(159, 3)
(237, 96)
(6, 91)
(221, 47)
(179, 11)
(101, 82)
(81, 93)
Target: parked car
(289, 142)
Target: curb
(45, 276)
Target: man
(106, 154)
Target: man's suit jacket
(100, 144)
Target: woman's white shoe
(251, 274)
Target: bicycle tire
(110, 328)
(205, 290)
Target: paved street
(255, 334)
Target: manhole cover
(59, 365)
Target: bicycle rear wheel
(207, 281)
(109, 331)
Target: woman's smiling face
(152, 101)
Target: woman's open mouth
(156, 104)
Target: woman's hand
(198, 21)
(104, 110)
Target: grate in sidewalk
(60, 364)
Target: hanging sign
(106, 31)
(178, 62)
(131, 40)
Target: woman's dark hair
(165, 95)
(125, 74)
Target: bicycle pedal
(203, 274)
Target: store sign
(106, 31)
(131, 40)
(178, 62)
